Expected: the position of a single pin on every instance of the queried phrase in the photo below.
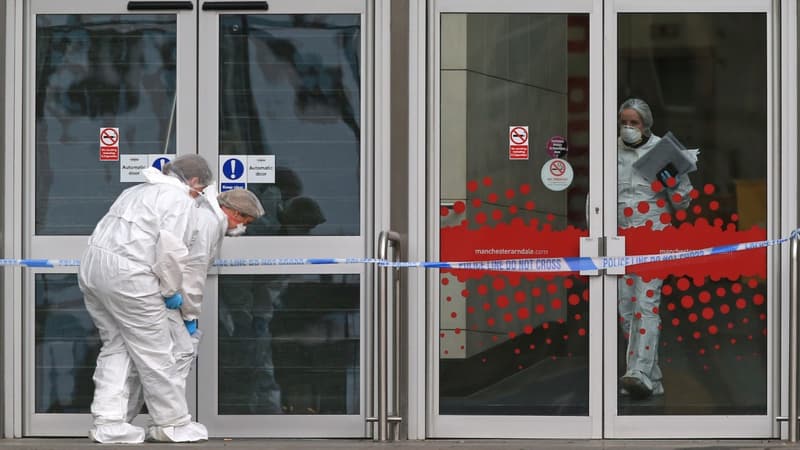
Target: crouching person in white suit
(218, 215)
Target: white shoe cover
(117, 433)
(191, 432)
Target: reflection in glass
(290, 86)
(704, 77)
(513, 343)
(289, 344)
(67, 345)
(95, 71)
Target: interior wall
(489, 75)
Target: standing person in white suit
(639, 298)
(130, 275)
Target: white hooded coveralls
(211, 226)
(638, 300)
(135, 260)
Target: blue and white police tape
(237, 262)
(570, 264)
(244, 262)
(41, 262)
(595, 263)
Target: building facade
(474, 131)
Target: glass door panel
(67, 344)
(694, 339)
(284, 350)
(513, 139)
(95, 71)
(290, 89)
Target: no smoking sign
(557, 174)
(109, 144)
(518, 147)
(557, 168)
(109, 136)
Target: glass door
(106, 86)
(283, 95)
(528, 161)
(690, 344)
(282, 90)
(515, 175)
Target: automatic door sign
(261, 169)
(557, 147)
(557, 174)
(131, 166)
(518, 142)
(109, 144)
(232, 172)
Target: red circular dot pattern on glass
(502, 302)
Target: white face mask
(238, 230)
(630, 135)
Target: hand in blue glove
(175, 301)
(191, 326)
(667, 176)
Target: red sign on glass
(518, 142)
(109, 144)
(109, 153)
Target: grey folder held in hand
(668, 152)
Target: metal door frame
(695, 426)
(71, 247)
(325, 426)
(475, 426)
(18, 343)
(782, 22)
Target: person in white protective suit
(638, 299)
(130, 275)
(218, 215)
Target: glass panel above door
(95, 71)
(290, 88)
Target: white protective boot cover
(117, 433)
(191, 432)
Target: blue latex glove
(191, 326)
(667, 173)
(175, 301)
